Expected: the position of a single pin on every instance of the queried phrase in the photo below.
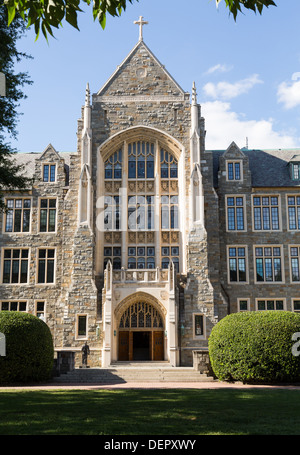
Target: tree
(10, 172)
(46, 14)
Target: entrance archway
(141, 332)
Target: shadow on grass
(150, 412)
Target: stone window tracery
(141, 315)
(147, 175)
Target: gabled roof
(269, 168)
(129, 61)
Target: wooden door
(123, 345)
(158, 345)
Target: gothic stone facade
(142, 240)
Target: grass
(150, 412)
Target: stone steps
(129, 373)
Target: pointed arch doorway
(141, 333)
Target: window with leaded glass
(113, 166)
(140, 212)
(169, 212)
(47, 215)
(170, 253)
(235, 207)
(17, 217)
(113, 254)
(168, 165)
(141, 315)
(266, 213)
(15, 266)
(141, 160)
(112, 213)
(268, 264)
(141, 257)
(237, 263)
(293, 212)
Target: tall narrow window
(237, 264)
(47, 215)
(293, 212)
(235, 213)
(294, 262)
(113, 166)
(168, 165)
(169, 212)
(82, 326)
(112, 213)
(234, 170)
(46, 262)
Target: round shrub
(255, 347)
(29, 348)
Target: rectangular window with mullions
(234, 170)
(270, 304)
(47, 215)
(15, 266)
(49, 171)
(13, 306)
(46, 265)
(293, 212)
(237, 263)
(294, 263)
(235, 209)
(17, 217)
(266, 213)
(268, 263)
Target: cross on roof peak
(140, 23)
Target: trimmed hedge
(29, 348)
(255, 347)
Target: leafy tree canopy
(11, 174)
(45, 15)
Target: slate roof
(269, 168)
(28, 159)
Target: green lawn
(150, 412)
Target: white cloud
(226, 90)
(224, 126)
(288, 93)
(218, 68)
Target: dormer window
(296, 171)
(49, 172)
(234, 170)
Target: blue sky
(247, 72)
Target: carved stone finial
(87, 95)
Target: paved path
(150, 385)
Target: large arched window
(147, 173)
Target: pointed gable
(49, 153)
(141, 74)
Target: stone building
(142, 240)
